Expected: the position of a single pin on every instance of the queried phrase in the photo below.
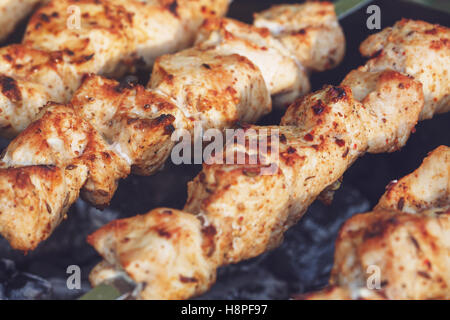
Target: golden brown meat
(117, 34)
(205, 85)
(406, 236)
(287, 42)
(107, 128)
(132, 126)
(310, 31)
(67, 39)
(392, 102)
(212, 88)
(28, 79)
(111, 40)
(43, 170)
(174, 253)
(419, 49)
(241, 208)
(283, 75)
(137, 123)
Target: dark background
(301, 264)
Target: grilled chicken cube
(43, 170)
(283, 74)
(215, 89)
(138, 123)
(241, 205)
(393, 102)
(158, 249)
(418, 49)
(310, 31)
(66, 39)
(29, 79)
(406, 236)
(115, 35)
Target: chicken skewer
(111, 128)
(405, 236)
(66, 39)
(234, 213)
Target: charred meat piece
(134, 125)
(405, 236)
(244, 210)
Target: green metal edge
(344, 8)
(102, 292)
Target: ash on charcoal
(21, 285)
(242, 285)
(25, 286)
(7, 270)
(67, 246)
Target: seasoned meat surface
(244, 209)
(406, 237)
(115, 33)
(205, 85)
(418, 49)
(67, 39)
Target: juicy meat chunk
(418, 49)
(244, 209)
(406, 236)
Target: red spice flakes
(209, 231)
(291, 150)
(319, 107)
(431, 31)
(308, 137)
(401, 203)
(187, 279)
(424, 274)
(340, 142)
(345, 152)
(163, 233)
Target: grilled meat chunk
(240, 206)
(284, 75)
(206, 84)
(310, 31)
(114, 34)
(406, 236)
(67, 39)
(418, 49)
(214, 89)
(174, 252)
(29, 78)
(43, 170)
